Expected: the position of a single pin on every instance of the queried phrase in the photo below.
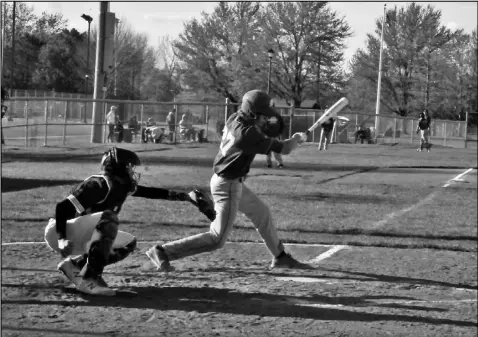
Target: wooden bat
(332, 112)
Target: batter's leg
(278, 158)
(260, 215)
(226, 194)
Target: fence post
(207, 120)
(412, 132)
(444, 134)
(64, 122)
(290, 120)
(313, 131)
(46, 123)
(394, 129)
(26, 123)
(225, 111)
(176, 123)
(466, 128)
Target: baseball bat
(333, 111)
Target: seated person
(134, 126)
(186, 128)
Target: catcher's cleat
(158, 256)
(92, 287)
(72, 272)
(287, 261)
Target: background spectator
(111, 121)
(171, 121)
(326, 132)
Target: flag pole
(379, 84)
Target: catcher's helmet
(121, 163)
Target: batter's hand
(66, 247)
(301, 137)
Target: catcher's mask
(121, 163)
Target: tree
(305, 35)
(58, 63)
(219, 48)
(412, 35)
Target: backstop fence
(50, 121)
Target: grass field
(392, 233)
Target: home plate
(304, 279)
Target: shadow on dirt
(229, 301)
(10, 184)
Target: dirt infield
(394, 249)
(354, 292)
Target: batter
(242, 139)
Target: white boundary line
(327, 254)
(458, 177)
(19, 243)
(428, 198)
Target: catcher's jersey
(241, 141)
(98, 193)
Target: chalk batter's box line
(152, 242)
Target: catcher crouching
(85, 229)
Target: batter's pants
(230, 196)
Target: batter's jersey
(241, 141)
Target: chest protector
(116, 196)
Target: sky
(160, 18)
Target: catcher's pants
(424, 134)
(277, 156)
(80, 230)
(324, 138)
(230, 196)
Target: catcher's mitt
(204, 203)
(274, 127)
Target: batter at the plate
(246, 133)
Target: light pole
(270, 53)
(89, 19)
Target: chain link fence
(49, 121)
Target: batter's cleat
(287, 261)
(101, 281)
(269, 165)
(91, 286)
(158, 256)
(72, 272)
(419, 150)
(280, 166)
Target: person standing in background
(111, 121)
(326, 132)
(277, 156)
(171, 120)
(423, 128)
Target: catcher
(86, 222)
(246, 134)
(423, 128)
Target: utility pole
(100, 74)
(12, 71)
(379, 84)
